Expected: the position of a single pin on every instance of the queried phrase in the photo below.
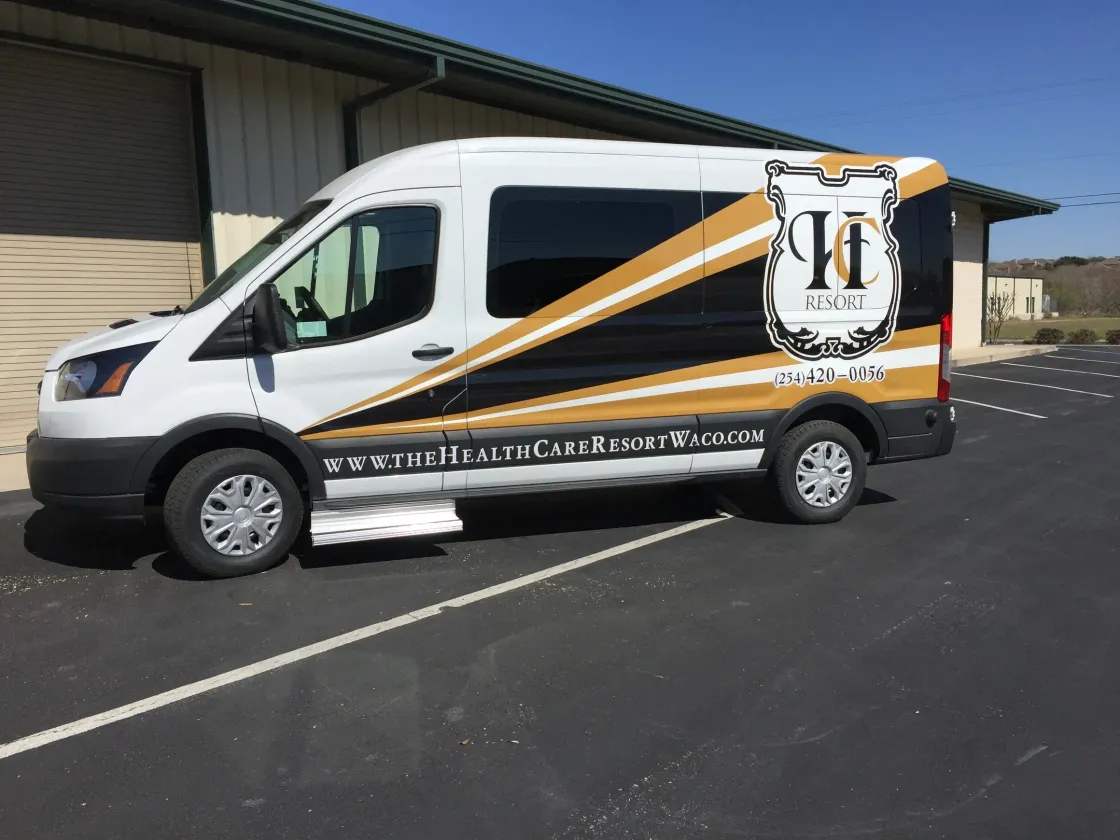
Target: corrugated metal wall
(273, 127)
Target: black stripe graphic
(386, 455)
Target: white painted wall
(273, 127)
(1021, 289)
(968, 275)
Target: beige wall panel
(968, 275)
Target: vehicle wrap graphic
(433, 453)
(737, 372)
(833, 279)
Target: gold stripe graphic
(899, 385)
(747, 213)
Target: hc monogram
(832, 278)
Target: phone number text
(826, 375)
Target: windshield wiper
(163, 313)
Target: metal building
(145, 144)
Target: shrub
(1046, 316)
(1083, 337)
(1048, 335)
(1112, 336)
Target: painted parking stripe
(1058, 358)
(956, 400)
(1064, 370)
(1115, 353)
(184, 692)
(1032, 384)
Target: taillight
(946, 348)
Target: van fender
(219, 422)
(815, 403)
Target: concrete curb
(1001, 353)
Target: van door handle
(432, 351)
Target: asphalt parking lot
(942, 663)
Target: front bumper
(91, 474)
(917, 429)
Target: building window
(547, 242)
(373, 272)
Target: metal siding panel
(410, 120)
(478, 120)
(445, 118)
(37, 22)
(388, 124)
(328, 125)
(9, 16)
(169, 48)
(461, 119)
(306, 135)
(258, 141)
(427, 117)
(138, 42)
(105, 36)
(282, 138)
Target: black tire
(182, 512)
(795, 445)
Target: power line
(944, 99)
(1091, 204)
(1083, 195)
(968, 110)
(1039, 160)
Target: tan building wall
(1025, 292)
(968, 275)
(274, 127)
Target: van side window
(546, 242)
(373, 272)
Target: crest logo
(832, 277)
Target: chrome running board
(384, 521)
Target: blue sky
(1019, 95)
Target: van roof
(437, 164)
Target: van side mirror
(269, 335)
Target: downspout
(351, 111)
(984, 287)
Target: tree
(1000, 306)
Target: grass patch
(1027, 329)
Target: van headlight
(99, 375)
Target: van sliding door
(585, 306)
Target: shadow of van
(70, 539)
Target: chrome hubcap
(824, 474)
(241, 515)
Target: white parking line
(1064, 370)
(1080, 349)
(956, 400)
(1032, 384)
(175, 695)
(1056, 357)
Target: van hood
(146, 329)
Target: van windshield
(251, 258)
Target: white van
(505, 315)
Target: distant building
(1026, 293)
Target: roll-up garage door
(98, 207)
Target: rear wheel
(232, 512)
(819, 471)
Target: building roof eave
(315, 33)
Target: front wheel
(232, 512)
(819, 471)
